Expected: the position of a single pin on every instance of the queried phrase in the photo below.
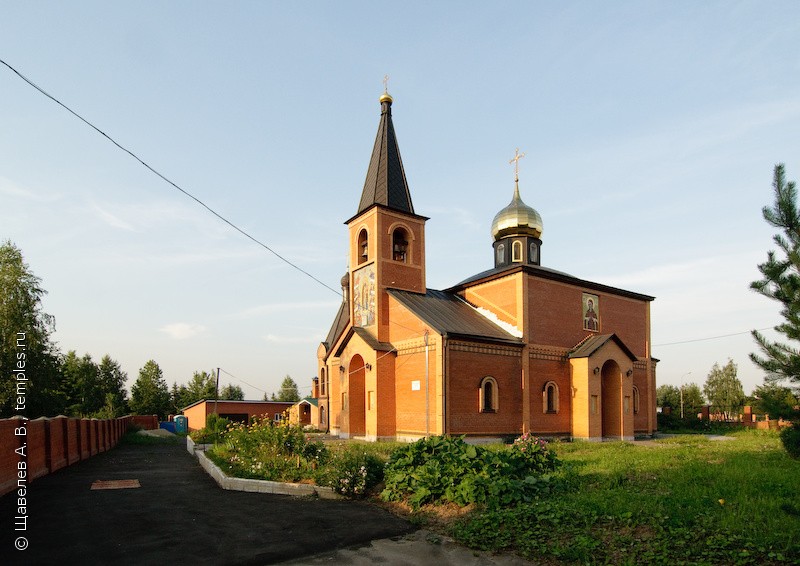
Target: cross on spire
(515, 161)
(386, 84)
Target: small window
(626, 404)
(501, 254)
(278, 417)
(363, 246)
(399, 245)
(322, 382)
(516, 251)
(635, 400)
(371, 400)
(322, 416)
(344, 401)
(593, 407)
(534, 256)
(550, 397)
(488, 395)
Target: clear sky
(651, 131)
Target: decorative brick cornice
(415, 345)
(492, 349)
(552, 353)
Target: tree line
(723, 392)
(36, 379)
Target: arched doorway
(611, 399)
(357, 405)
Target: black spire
(386, 183)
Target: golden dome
(517, 219)
(385, 97)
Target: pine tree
(781, 282)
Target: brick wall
(52, 444)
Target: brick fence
(30, 449)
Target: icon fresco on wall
(364, 296)
(591, 312)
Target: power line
(242, 380)
(710, 338)
(173, 184)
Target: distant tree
(150, 393)
(232, 392)
(289, 390)
(112, 381)
(175, 397)
(781, 282)
(203, 385)
(775, 400)
(25, 339)
(693, 399)
(668, 396)
(724, 390)
(82, 384)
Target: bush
(448, 469)
(790, 437)
(352, 473)
(213, 432)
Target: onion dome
(517, 219)
(346, 280)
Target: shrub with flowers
(536, 454)
(352, 472)
(267, 450)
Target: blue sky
(651, 131)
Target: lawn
(681, 500)
(685, 499)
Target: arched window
(534, 255)
(399, 244)
(635, 400)
(488, 395)
(501, 254)
(363, 246)
(550, 397)
(322, 421)
(516, 251)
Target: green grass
(681, 500)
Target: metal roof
(338, 326)
(591, 344)
(386, 183)
(449, 315)
(544, 273)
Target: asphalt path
(178, 516)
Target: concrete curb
(256, 486)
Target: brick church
(517, 348)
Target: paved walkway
(178, 516)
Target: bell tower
(387, 238)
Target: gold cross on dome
(515, 161)
(386, 84)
